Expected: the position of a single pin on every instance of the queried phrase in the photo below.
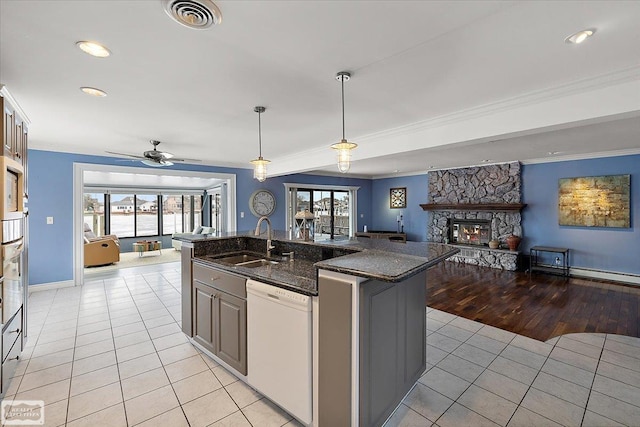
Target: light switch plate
(49, 220)
(241, 214)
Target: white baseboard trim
(607, 275)
(51, 285)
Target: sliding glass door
(331, 208)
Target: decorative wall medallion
(398, 198)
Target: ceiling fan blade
(173, 159)
(125, 154)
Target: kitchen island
(367, 327)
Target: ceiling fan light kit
(343, 147)
(260, 164)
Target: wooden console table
(534, 264)
(147, 246)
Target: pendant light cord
(342, 84)
(260, 133)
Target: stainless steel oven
(12, 284)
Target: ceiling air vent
(197, 14)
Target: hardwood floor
(540, 307)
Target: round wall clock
(262, 203)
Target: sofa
(177, 244)
(101, 250)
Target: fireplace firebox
(475, 232)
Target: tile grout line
(530, 386)
(470, 382)
(586, 405)
(161, 362)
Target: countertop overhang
(383, 260)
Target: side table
(557, 267)
(146, 246)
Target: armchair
(100, 250)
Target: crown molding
(14, 104)
(585, 156)
(530, 98)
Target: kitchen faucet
(269, 233)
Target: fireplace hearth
(476, 232)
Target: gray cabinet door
(203, 315)
(380, 358)
(392, 344)
(231, 324)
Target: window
(333, 207)
(142, 215)
(181, 213)
(216, 211)
(93, 209)
(146, 217)
(171, 214)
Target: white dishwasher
(279, 347)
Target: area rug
(133, 259)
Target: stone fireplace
(486, 201)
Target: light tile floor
(111, 353)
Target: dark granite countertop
(298, 275)
(369, 258)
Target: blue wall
(385, 218)
(51, 194)
(615, 250)
(608, 249)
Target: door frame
(353, 204)
(78, 191)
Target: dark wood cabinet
(219, 321)
(14, 133)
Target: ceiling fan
(154, 157)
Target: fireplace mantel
(496, 207)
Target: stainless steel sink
(246, 260)
(257, 263)
(239, 259)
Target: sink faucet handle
(289, 254)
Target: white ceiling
(435, 83)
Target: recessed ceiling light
(580, 36)
(486, 160)
(396, 170)
(553, 153)
(93, 49)
(93, 91)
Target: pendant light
(343, 147)
(260, 164)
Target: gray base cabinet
(392, 344)
(219, 319)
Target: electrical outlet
(361, 215)
(241, 214)
(49, 220)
